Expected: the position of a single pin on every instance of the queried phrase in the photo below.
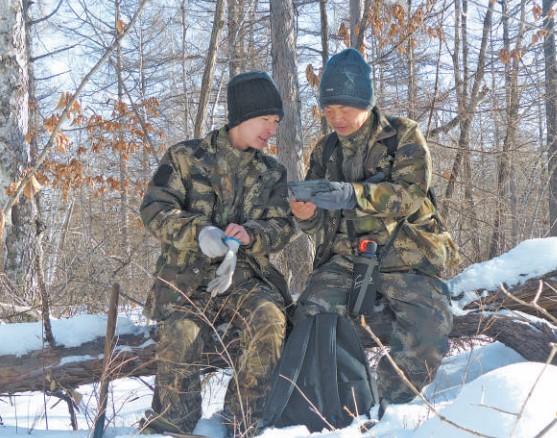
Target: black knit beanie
(250, 95)
(346, 81)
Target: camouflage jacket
(207, 182)
(422, 243)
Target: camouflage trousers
(255, 311)
(416, 321)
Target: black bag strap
(326, 324)
(290, 366)
(328, 149)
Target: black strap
(290, 366)
(327, 351)
(329, 148)
(389, 243)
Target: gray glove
(220, 284)
(341, 196)
(211, 242)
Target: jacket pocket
(426, 246)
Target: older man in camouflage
(379, 170)
(219, 207)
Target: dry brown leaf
(120, 27)
(32, 188)
(12, 188)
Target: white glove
(220, 284)
(211, 242)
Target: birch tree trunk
(298, 255)
(22, 224)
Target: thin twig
(228, 358)
(400, 373)
(533, 304)
(547, 428)
(548, 362)
(313, 407)
(69, 106)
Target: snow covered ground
(487, 391)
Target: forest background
(93, 92)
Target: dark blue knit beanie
(250, 95)
(346, 81)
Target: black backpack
(323, 359)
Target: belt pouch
(362, 297)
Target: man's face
(345, 120)
(254, 133)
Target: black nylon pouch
(363, 295)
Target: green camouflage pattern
(250, 310)
(414, 311)
(416, 315)
(207, 182)
(423, 242)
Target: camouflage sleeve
(163, 211)
(411, 175)
(274, 229)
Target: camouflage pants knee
(421, 324)
(177, 381)
(256, 312)
(416, 315)
(263, 324)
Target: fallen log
(55, 368)
(58, 368)
(526, 293)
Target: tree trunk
(297, 256)
(499, 243)
(411, 67)
(184, 70)
(549, 51)
(235, 40)
(209, 71)
(18, 250)
(324, 50)
(467, 103)
(363, 26)
(355, 7)
(123, 153)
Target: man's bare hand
(302, 210)
(238, 232)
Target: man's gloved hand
(342, 196)
(211, 242)
(225, 271)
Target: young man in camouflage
(219, 207)
(373, 188)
